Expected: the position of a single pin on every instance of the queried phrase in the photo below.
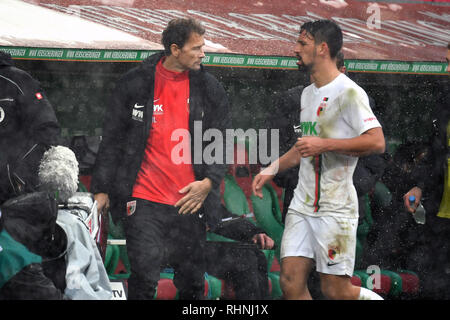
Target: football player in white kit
(337, 126)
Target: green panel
(220, 59)
(266, 217)
(234, 197)
(276, 288)
(111, 259)
(14, 256)
(396, 66)
(215, 287)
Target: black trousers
(158, 236)
(244, 265)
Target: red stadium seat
(356, 281)
(410, 281)
(166, 290)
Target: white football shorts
(329, 240)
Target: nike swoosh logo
(136, 106)
(330, 264)
(298, 131)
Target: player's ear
(323, 49)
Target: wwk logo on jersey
(138, 112)
(308, 128)
(158, 109)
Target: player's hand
(259, 181)
(196, 193)
(263, 241)
(310, 146)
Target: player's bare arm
(371, 141)
(288, 160)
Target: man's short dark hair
(178, 32)
(340, 59)
(325, 31)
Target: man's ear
(174, 50)
(323, 49)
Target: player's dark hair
(340, 59)
(325, 31)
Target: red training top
(166, 167)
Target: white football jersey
(338, 110)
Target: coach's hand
(196, 193)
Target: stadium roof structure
(391, 36)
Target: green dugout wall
(79, 88)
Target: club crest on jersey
(138, 112)
(322, 106)
(331, 254)
(131, 207)
(333, 250)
